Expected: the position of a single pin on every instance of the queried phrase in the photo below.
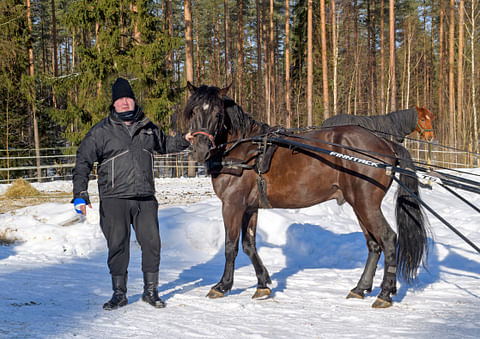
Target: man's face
(124, 104)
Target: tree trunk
(74, 48)
(357, 60)
(287, 64)
(425, 65)
(335, 56)
(260, 103)
(409, 52)
(372, 59)
(240, 53)
(272, 66)
(474, 102)
(54, 52)
(326, 113)
(226, 41)
(393, 81)
(460, 79)
(199, 69)
(309, 63)
(7, 150)
(189, 63)
(97, 44)
(169, 23)
(451, 80)
(382, 58)
(137, 36)
(33, 107)
(218, 62)
(188, 41)
(441, 60)
(266, 44)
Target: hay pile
(21, 189)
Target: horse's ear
(192, 89)
(224, 91)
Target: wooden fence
(58, 163)
(441, 156)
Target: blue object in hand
(77, 203)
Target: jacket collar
(141, 122)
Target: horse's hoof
(379, 303)
(262, 292)
(214, 294)
(354, 295)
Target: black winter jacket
(125, 159)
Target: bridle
(422, 130)
(208, 135)
(205, 132)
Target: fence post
(191, 167)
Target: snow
(54, 279)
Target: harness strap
(262, 192)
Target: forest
(292, 63)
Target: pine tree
(117, 38)
(13, 69)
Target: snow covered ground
(54, 279)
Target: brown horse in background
(299, 178)
(396, 125)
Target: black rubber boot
(119, 297)
(150, 290)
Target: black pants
(116, 216)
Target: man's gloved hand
(80, 202)
(79, 205)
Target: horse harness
(262, 156)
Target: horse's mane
(397, 124)
(239, 121)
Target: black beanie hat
(121, 89)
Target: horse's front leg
(232, 220)
(249, 230)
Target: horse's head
(205, 114)
(425, 123)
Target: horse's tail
(412, 242)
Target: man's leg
(115, 220)
(145, 223)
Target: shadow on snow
(310, 247)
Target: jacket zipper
(112, 159)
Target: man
(123, 145)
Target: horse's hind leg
(366, 280)
(249, 229)
(389, 283)
(382, 234)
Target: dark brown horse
(299, 178)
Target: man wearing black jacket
(123, 145)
